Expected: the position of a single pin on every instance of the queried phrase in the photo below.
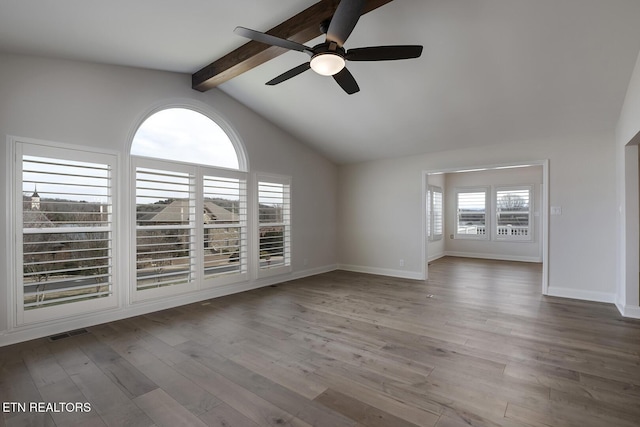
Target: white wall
(628, 189)
(492, 249)
(629, 122)
(380, 209)
(101, 106)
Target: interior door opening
(506, 219)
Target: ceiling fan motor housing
(328, 59)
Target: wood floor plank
(422, 412)
(624, 388)
(16, 385)
(126, 376)
(501, 388)
(183, 390)
(353, 408)
(340, 353)
(151, 343)
(475, 345)
(598, 407)
(289, 373)
(106, 397)
(65, 390)
(224, 415)
(274, 393)
(553, 414)
(446, 421)
(159, 330)
(43, 366)
(248, 404)
(165, 411)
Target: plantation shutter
(513, 213)
(471, 213)
(435, 223)
(274, 224)
(225, 226)
(165, 228)
(437, 214)
(429, 214)
(66, 240)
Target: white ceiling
(492, 71)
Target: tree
(512, 202)
(67, 252)
(513, 209)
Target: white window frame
(269, 270)
(432, 215)
(197, 281)
(242, 227)
(206, 111)
(191, 285)
(482, 234)
(66, 152)
(513, 235)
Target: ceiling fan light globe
(327, 64)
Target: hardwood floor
(477, 345)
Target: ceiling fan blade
(383, 53)
(346, 81)
(271, 40)
(344, 20)
(291, 73)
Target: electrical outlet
(401, 263)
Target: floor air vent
(68, 334)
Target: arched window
(184, 135)
(191, 204)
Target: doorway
(491, 226)
(628, 300)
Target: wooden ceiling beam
(301, 28)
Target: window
(225, 226)
(274, 219)
(65, 237)
(471, 207)
(191, 217)
(435, 223)
(511, 207)
(165, 227)
(184, 135)
(513, 213)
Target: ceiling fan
(329, 58)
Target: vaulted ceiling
(492, 71)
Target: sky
(65, 179)
(184, 135)
(175, 134)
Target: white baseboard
(628, 310)
(403, 274)
(581, 294)
(30, 332)
(499, 257)
(436, 257)
(313, 272)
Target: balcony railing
(472, 230)
(513, 231)
(503, 231)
